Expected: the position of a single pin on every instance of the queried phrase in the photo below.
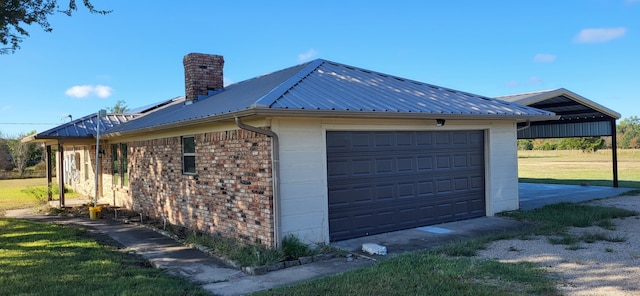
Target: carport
(579, 117)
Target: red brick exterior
(231, 194)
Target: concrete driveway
(535, 195)
(532, 196)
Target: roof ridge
(531, 92)
(271, 97)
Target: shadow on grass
(621, 183)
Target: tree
(119, 108)
(23, 153)
(15, 15)
(628, 132)
(525, 144)
(6, 161)
(586, 144)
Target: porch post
(60, 159)
(47, 156)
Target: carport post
(614, 152)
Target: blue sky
(491, 48)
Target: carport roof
(567, 104)
(328, 89)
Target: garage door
(386, 181)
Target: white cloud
(103, 91)
(599, 35)
(83, 91)
(311, 53)
(544, 58)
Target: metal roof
(568, 105)
(325, 88)
(579, 117)
(82, 128)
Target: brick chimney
(202, 73)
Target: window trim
(188, 154)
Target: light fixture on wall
(440, 122)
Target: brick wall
(231, 194)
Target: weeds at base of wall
(252, 259)
(258, 259)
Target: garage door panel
(386, 181)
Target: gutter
(275, 175)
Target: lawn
(12, 195)
(577, 167)
(49, 259)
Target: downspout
(525, 127)
(275, 145)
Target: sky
(490, 48)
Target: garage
(381, 181)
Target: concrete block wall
(230, 194)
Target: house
(321, 150)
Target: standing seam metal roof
(328, 86)
(85, 127)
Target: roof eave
(335, 114)
(38, 139)
(578, 98)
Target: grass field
(13, 197)
(577, 167)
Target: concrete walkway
(221, 279)
(178, 259)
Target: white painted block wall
(304, 201)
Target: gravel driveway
(601, 268)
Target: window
(120, 159)
(87, 166)
(116, 165)
(124, 162)
(188, 155)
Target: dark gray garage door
(386, 181)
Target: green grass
(13, 195)
(452, 269)
(556, 218)
(49, 259)
(577, 167)
(428, 273)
